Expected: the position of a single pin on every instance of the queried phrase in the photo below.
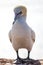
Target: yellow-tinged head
(20, 10)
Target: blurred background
(34, 20)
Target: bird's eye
(19, 13)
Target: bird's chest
(19, 30)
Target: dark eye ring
(19, 13)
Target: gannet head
(20, 11)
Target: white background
(34, 20)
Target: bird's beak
(15, 19)
(16, 16)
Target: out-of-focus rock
(41, 61)
(4, 61)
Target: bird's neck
(21, 19)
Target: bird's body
(21, 35)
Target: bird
(21, 35)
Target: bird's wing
(10, 36)
(33, 35)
